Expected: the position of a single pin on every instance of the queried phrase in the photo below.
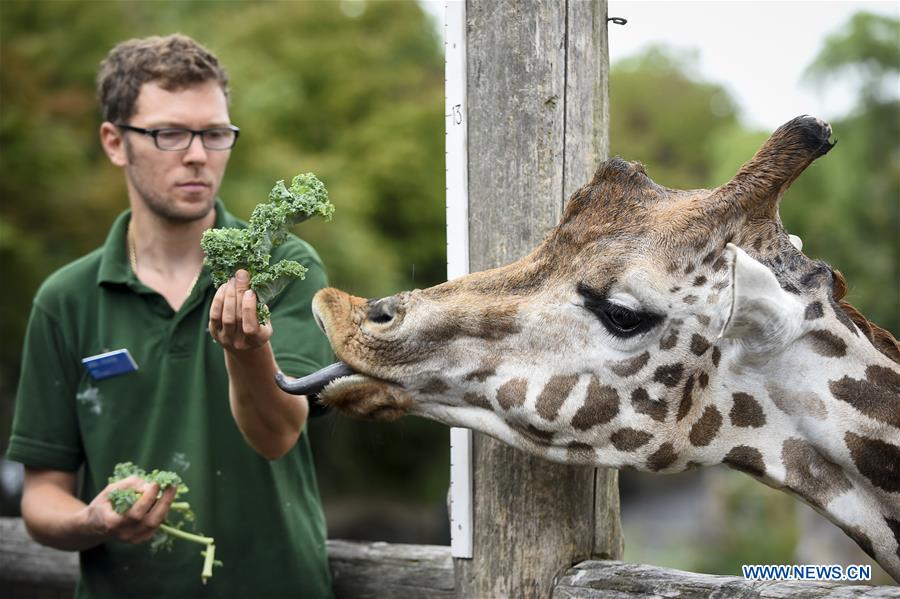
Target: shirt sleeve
(45, 432)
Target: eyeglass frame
(194, 133)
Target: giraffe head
(626, 301)
(653, 328)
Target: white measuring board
(456, 157)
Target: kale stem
(208, 562)
(186, 535)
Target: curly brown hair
(173, 61)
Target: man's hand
(54, 516)
(140, 522)
(232, 316)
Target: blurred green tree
(350, 91)
(675, 143)
(859, 232)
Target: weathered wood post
(537, 127)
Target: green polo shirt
(173, 414)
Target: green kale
(228, 250)
(179, 513)
(122, 499)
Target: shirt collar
(114, 264)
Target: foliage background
(354, 92)
(350, 91)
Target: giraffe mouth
(330, 381)
(355, 394)
(312, 384)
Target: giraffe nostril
(381, 311)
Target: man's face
(181, 185)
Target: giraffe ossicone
(654, 329)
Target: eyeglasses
(179, 138)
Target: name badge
(110, 364)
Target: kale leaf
(180, 512)
(228, 250)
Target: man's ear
(764, 317)
(113, 143)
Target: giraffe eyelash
(618, 320)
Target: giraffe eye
(622, 318)
(617, 319)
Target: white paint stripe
(456, 157)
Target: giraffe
(654, 329)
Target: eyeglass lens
(180, 139)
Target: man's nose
(195, 151)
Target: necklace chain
(132, 258)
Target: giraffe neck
(820, 421)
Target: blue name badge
(113, 363)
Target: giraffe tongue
(311, 384)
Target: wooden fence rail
(376, 570)
(621, 580)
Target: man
(203, 362)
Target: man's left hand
(232, 316)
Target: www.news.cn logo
(807, 572)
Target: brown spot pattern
(512, 393)
(842, 316)
(797, 403)
(719, 264)
(669, 374)
(536, 435)
(580, 452)
(687, 399)
(700, 280)
(894, 525)
(810, 475)
(478, 400)
(706, 428)
(690, 299)
(716, 356)
(876, 460)
(554, 394)
(487, 368)
(662, 458)
(814, 311)
(629, 439)
(699, 344)
(746, 411)
(631, 366)
(703, 380)
(435, 387)
(861, 538)
(746, 459)
(825, 343)
(600, 406)
(669, 341)
(878, 396)
(642, 403)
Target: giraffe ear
(764, 317)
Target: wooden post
(537, 128)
